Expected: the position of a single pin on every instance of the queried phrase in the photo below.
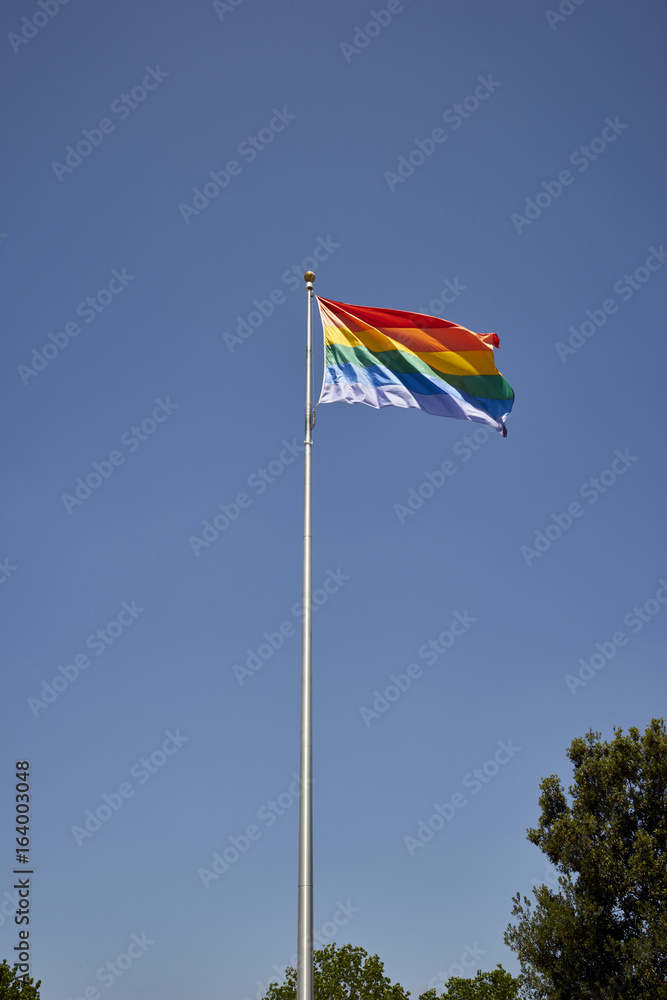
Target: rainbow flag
(385, 357)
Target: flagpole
(304, 989)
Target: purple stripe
(438, 404)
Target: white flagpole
(304, 989)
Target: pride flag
(385, 357)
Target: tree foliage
(12, 988)
(342, 973)
(603, 934)
(496, 985)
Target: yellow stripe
(447, 362)
(457, 338)
(372, 339)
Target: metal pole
(304, 989)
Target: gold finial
(309, 276)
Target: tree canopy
(496, 985)
(12, 988)
(603, 933)
(350, 973)
(342, 973)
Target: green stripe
(485, 386)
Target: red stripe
(426, 333)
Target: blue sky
(542, 543)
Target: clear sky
(171, 170)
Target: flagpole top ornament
(309, 277)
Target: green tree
(603, 935)
(17, 989)
(345, 973)
(496, 985)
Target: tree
(12, 988)
(496, 985)
(603, 935)
(345, 973)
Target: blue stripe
(415, 382)
(378, 375)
